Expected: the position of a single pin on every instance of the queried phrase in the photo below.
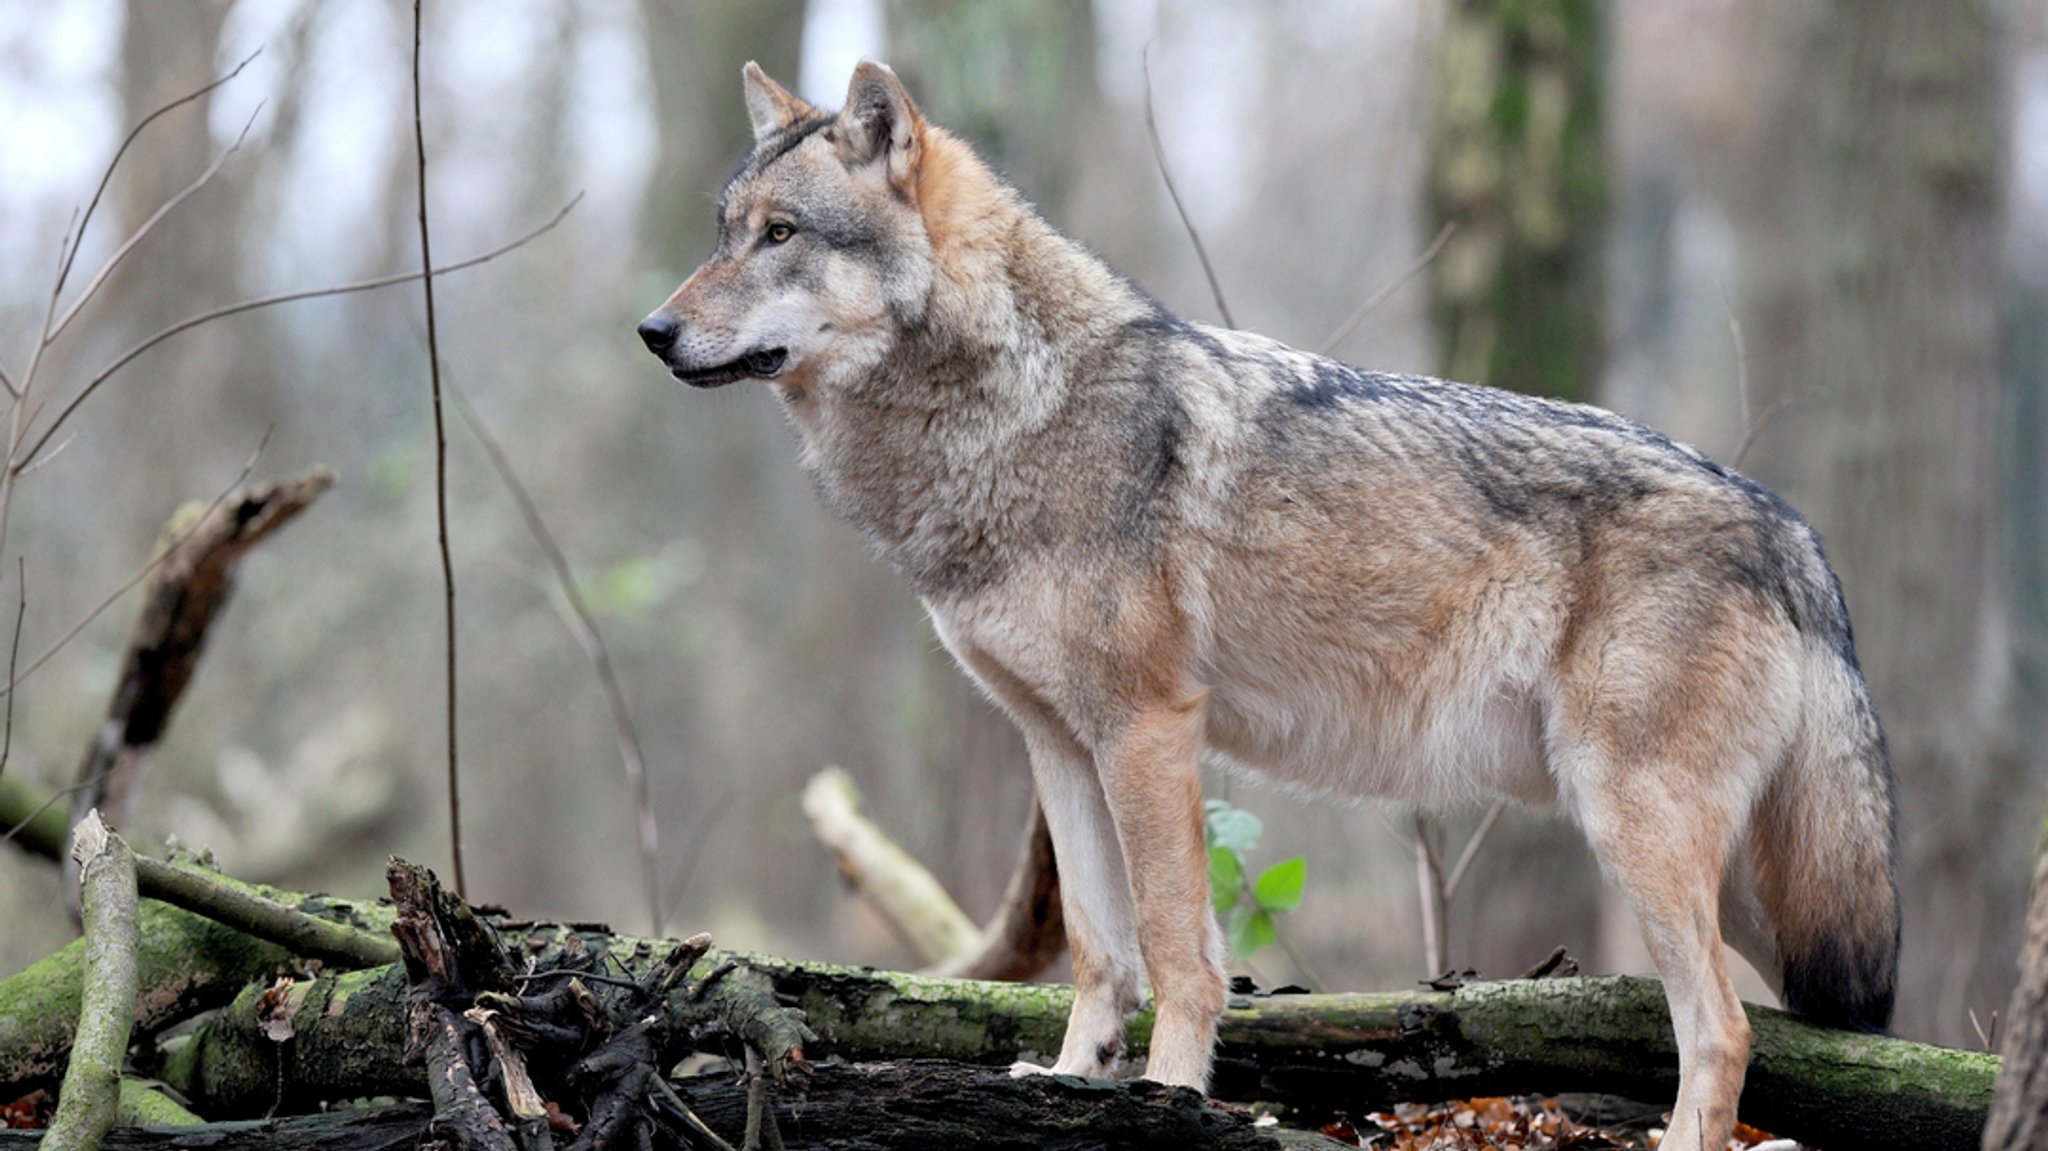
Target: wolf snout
(658, 332)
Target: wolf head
(822, 250)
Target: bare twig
(1159, 155)
(1429, 877)
(1741, 357)
(64, 272)
(41, 462)
(1380, 813)
(583, 625)
(7, 381)
(19, 418)
(1988, 1036)
(419, 138)
(709, 816)
(14, 656)
(19, 415)
(38, 836)
(1472, 845)
(1751, 432)
(121, 253)
(1752, 425)
(24, 461)
(1377, 298)
(15, 681)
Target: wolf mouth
(761, 365)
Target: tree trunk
(1870, 292)
(2019, 1112)
(1517, 297)
(1518, 163)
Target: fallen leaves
(31, 1112)
(1496, 1124)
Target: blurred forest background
(1861, 187)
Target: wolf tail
(1822, 852)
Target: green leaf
(1226, 878)
(1250, 929)
(1278, 888)
(1233, 828)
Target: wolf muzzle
(660, 332)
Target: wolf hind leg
(1666, 837)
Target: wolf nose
(659, 333)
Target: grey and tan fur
(1145, 537)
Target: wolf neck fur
(1015, 317)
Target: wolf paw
(1022, 1070)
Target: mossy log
(185, 964)
(1314, 1053)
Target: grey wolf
(1144, 537)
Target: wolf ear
(880, 125)
(771, 106)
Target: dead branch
(192, 580)
(916, 905)
(206, 892)
(919, 1105)
(186, 964)
(1026, 934)
(1028, 931)
(90, 1097)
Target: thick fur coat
(1145, 537)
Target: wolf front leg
(1095, 900)
(1151, 776)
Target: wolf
(1146, 537)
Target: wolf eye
(780, 233)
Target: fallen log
(906, 1106)
(186, 964)
(1315, 1053)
